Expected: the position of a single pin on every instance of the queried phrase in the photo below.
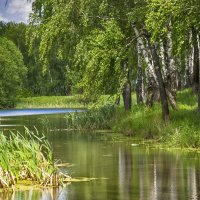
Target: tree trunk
(151, 89)
(180, 79)
(191, 52)
(140, 81)
(152, 85)
(187, 83)
(150, 75)
(126, 93)
(198, 39)
(195, 81)
(169, 73)
(163, 95)
(172, 73)
(188, 62)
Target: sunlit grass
(74, 101)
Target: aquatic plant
(27, 157)
(94, 118)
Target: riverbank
(183, 129)
(141, 122)
(144, 123)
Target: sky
(15, 10)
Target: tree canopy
(13, 72)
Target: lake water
(122, 170)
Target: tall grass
(93, 118)
(26, 157)
(141, 122)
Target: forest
(142, 49)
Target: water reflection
(134, 173)
(157, 175)
(138, 174)
(43, 194)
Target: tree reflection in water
(156, 176)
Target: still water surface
(124, 171)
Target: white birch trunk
(172, 71)
(191, 55)
(167, 73)
(140, 78)
(150, 74)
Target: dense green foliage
(93, 45)
(37, 82)
(12, 72)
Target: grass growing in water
(94, 118)
(27, 157)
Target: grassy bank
(75, 101)
(142, 122)
(183, 130)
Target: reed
(94, 118)
(27, 157)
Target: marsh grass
(183, 130)
(93, 118)
(27, 157)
